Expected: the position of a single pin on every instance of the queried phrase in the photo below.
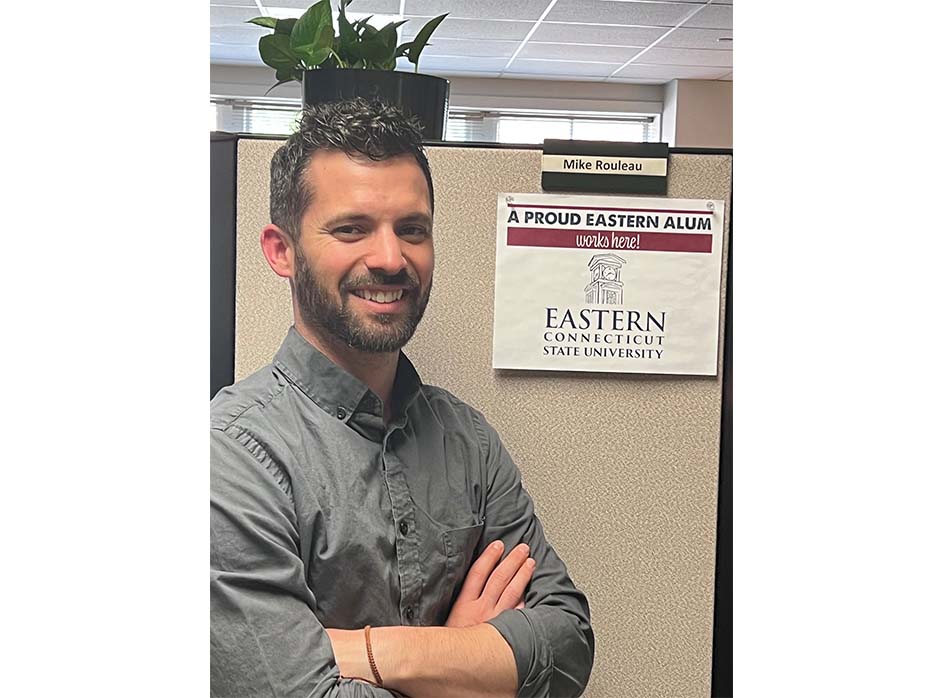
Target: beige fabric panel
(622, 467)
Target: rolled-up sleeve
(551, 637)
(265, 639)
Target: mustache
(379, 278)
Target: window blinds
(280, 117)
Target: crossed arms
(266, 638)
(467, 656)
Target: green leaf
(268, 22)
(284, 26)
(275, 51)
(318, 57)
(388, 35)
(362, 23)
(346, 43)
(373, 46)
(420, 40)
(402, 49)
(313, 33)
(346, 30)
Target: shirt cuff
(533, 654)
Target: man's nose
(386, 252)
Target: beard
(332, 317)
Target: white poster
(607, 283)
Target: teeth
(380, 296)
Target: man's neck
(376, 371)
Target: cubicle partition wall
(623, 468)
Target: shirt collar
(336, 391)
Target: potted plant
(358, 61)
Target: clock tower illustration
(605, 288)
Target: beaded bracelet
(373, 664)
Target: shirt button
(403, 527)
(409, 613)
(341, 413)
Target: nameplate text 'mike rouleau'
(605, 166)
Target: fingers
(480, 571)
(505, 572)
(514, 591)
(519, 606)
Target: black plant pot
(423, 96)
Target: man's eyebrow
(348, 218)
(417, 217)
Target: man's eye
(348, 232)
(414, 232)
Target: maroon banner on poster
(609, 240)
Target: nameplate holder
(604, 166)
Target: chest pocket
(460, 545)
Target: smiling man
(370, 535)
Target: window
(521, 127)
(276, 117)
(280, 117)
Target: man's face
(363, 268)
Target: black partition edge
(222, 363)
(722, 653)
(222, 259)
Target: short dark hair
(358, 127)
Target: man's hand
(487, 593)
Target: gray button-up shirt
(322, 516)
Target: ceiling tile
(377, 7)
(479, 9)
(697, 38)
(584, 34)
(562, 67)
(582, 40)
(435, 64)
(651, 14)
(712, 17)
(670, 72)
(683, 56)
(469, 28)
(445, 67)
(364, 7)
(470, 47)
(579, 52)
(245, 34)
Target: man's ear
(279, 250)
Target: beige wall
(698, 114)
(504, 93)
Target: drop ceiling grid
(640, 39)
